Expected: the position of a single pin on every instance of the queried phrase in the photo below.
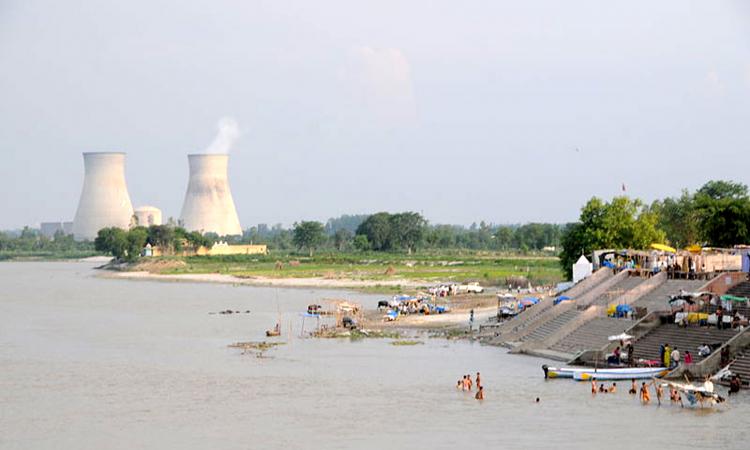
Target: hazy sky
(461, 110)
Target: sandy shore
(484, 305)
(322, 283)
(457, 318)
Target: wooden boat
(275, 332)
(638, 373)
(587, 373)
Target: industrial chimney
(104, 200)
(208, 203)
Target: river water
(87, 362)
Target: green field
(46, 255)
(488, 268)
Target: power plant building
(104, 201)
(208, 206)
(145, 216)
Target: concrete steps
(683, 339)
(592, 335)
(551, 326)
(611, 295)
(741, 366)
(657, 300)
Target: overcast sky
(464, 111)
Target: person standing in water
(593, 386)
(613, 388)
(645, 395)
(633, 389)
(480, 393)
(479, 381)
(659, 392)
(469, 383)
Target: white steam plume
(228, 133)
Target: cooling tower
(208, 203)
(104, 200)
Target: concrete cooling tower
(104, 200)
(208, 203)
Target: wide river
(92, 363)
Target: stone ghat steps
(551, 326)
(592, 335)
(611, 295)
(741, 366)
(740, 290)
(683, 339)
(657, 300)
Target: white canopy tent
(581, 269)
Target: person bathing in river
(479, 382)
(593, 387)
(480, 393)
(602, 389)
(659, 392)
(645, 395)
(469, 382)
(613, 388)
(633, 389)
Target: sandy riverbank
(484, 305)
(321, 283)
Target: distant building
(49, 229)
(219, 248)
(145, 216)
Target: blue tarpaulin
(561, 299)
(623, 310)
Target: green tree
(407, 230)
(361, 243)
(162, 236)
(136, 240)
(678, 217)
(621, 223)
(377, 228)
(723, 211)
(112, 240)
(342, 238)
(309, 235)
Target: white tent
(581, 269)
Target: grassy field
(44, 255)
(491, 269)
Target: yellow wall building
(218, 249)
(222, 248)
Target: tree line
(717, 215)
(127, 245)
(31, 242)
(403, 232)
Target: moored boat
(587, 373)
(637, 373)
